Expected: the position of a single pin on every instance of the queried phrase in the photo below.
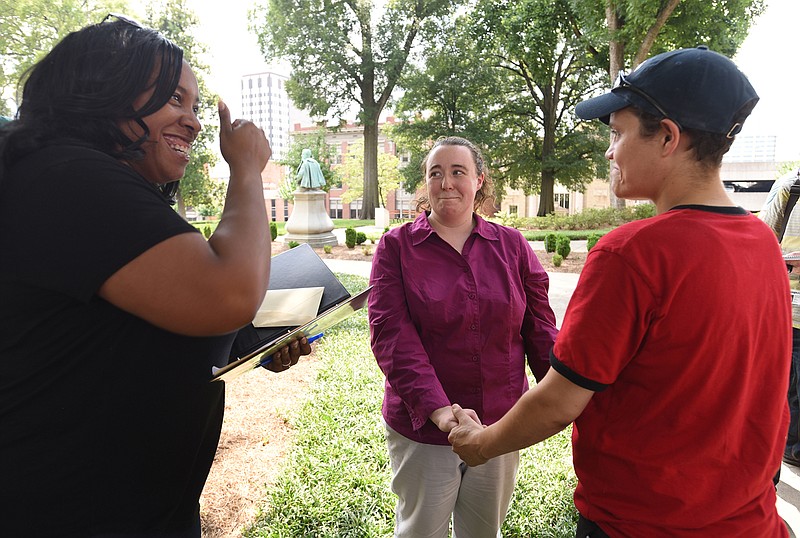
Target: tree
(344, 52)
(352, 170)
(197, 188)
(30, 28)
(544, 72)
(449, 95)
(626, 32)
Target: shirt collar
(421, 229)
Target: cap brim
(601, 107)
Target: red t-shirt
(682, 324)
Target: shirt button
(474, 358)
(473, 327)
(471, 295)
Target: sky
(769, 57)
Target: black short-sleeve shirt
(108, 425)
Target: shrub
(361, 238)
(293, 244)
(562, 246)
(367, 250)
(273, 230)
(386, 229)
(644, 211)
(350, 237)
(557, 259)
(207, 231)
(592, 240)
(373, 238)
(327, 248)
(550, 242)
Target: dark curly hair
(484, 194)
(84, 89)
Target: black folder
(315, 327)
(298, 267)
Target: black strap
(794, 194)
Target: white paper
(283, 308)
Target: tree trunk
(547, 198)
(181, 204)
(370, 199)
(616, 53)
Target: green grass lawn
(335, 482)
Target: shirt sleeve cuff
(576, 378)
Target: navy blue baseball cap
(696, 88)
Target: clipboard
(298, 267)
(321, 323)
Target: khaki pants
(432, 484)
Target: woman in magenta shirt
(458, 304)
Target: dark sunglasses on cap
(623, 82)
(121, 18)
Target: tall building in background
(266, 103)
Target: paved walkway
(561, 287)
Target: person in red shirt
(673, 358)
(457, 305)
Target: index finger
(224, 116)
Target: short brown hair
(708, 147)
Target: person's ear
(671, 135)
(480, 181)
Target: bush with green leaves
(207, 231)
(592, 240)
(562, 246)
(588, 219)
(293, 244)
(327, 249)
(557, 260)
(361, 238)
(350, 237)
(550, 242)
(273, 230)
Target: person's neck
(454, 232)
(701, 189)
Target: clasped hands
(463, 428)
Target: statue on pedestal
(309, 221)
(309, 172)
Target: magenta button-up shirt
(456, 328)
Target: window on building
(336, 208)
(404, 207)
(285, 210)
(336, 153)
(355, 208)
(562, 200)
(272, 209)
(512, 210)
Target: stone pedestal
(381, 217)
(309, 221)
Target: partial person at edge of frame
(115, 309)
(787, 228)
(670, 367)
(457, 305)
